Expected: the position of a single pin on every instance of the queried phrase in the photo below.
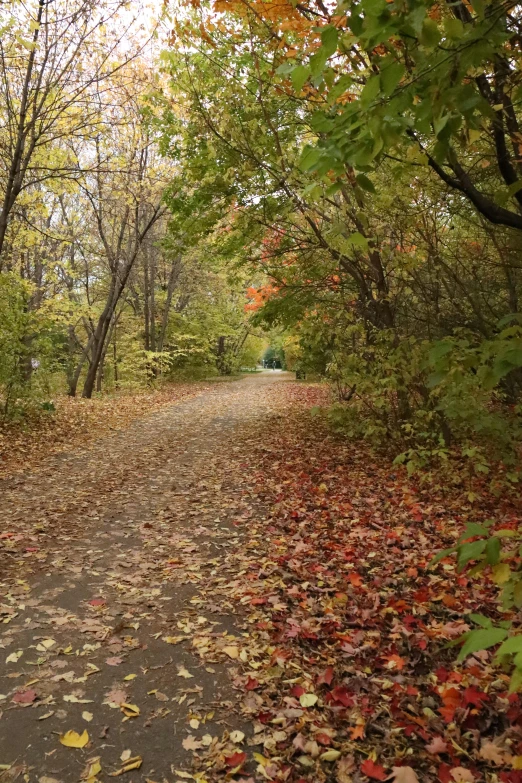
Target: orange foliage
(258, 296)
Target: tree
(51, 57)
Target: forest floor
(222, 590)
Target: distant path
(110, 550)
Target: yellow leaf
(232, 652)
(501, 573)
(516, 762)
(130, 710)
(87, 716)
(130, 676)
(307, 699)
(134, 763)
(330, 755)
(71, 739)
(92, 769)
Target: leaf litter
(308, 640)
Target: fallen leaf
(489, 751)
(71, 739)
(236, 759)
(345, 767)
(132, 763)
(182, 672)
(372, 770)
(437, 745)
(308, 699)
(232, 652)
(237, 737)
(24, 697)
(330, 755)
(92, 769)
(191, 743)
(88, 716)
(462, 775)
(130, 710)
(403, 775)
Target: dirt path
(103, 571)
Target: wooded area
(191, 187)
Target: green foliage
(498, 556)
(30, 347)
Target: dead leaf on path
(115, 661)
(71, 739)
(88, 716)
(237, 737)
(132, 763)
(130, 710)
(191, 743)
(24, 697)
(182, 672)
(115, 697)
(232, 652)
(173, 639)
(236, 760)
(45, 645)
(92, 769)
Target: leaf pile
(345, 672)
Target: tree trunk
(175, 272)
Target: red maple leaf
(341, 695)
(372, 770)
(236, 759)
(24, 697)
(323, 739)
(474, 696)
(326, 677)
